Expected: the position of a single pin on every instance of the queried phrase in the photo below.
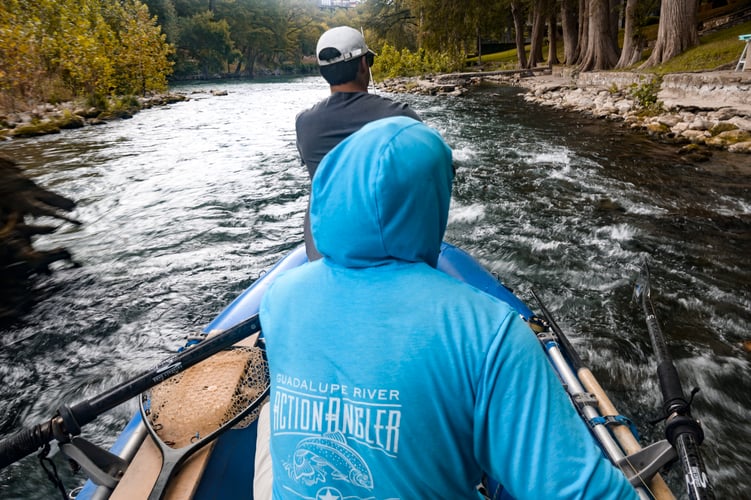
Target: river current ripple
(184, 206)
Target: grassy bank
(716, 51)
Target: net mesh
(192, 404)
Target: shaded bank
(22, 199)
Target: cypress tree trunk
(677, 31)
(517, 12)
(570, 26)
(599, 53)
(633, 40)
(538, 30)
(552, 39)
(583, 31)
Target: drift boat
(195, 433)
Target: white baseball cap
(347, 43)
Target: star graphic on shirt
(328, 495)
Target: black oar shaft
(655, 333)
(70, 419)
(567, 347)
(175, 364)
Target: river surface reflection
(184, 206)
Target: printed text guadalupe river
(184, 206)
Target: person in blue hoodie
(391, 379)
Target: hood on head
(383, 194)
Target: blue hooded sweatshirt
(390, 379)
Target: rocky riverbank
(52, 118)
(699, 111)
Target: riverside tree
(392, 22)
(52, 50)
(590, 27)
(570, 28)
(635, 15)
(141, 61)
(206, 46)
(241, 35)
(599, 51)
(677, 31)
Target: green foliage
(390, 21)
(392, 63)
(166, 17)
(98, 101)
(206, 42)
(53, 50)
(142, 57)
(69, 120)
(22, 63)
(127, 102)
(645, 95)
(450, 26)
(81, 53)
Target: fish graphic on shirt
(315, 457)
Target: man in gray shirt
(345, 61)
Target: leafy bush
(645, 94)
(392, 63)
(97, 100)
(127, 102)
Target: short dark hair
(341, 72)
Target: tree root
(20, 262)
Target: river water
(184, 206)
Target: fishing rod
(69, 419)
(681, 429)
(640, 465)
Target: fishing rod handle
(671, 388)
(25, 442)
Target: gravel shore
(695, 110)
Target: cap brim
(342, 58)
